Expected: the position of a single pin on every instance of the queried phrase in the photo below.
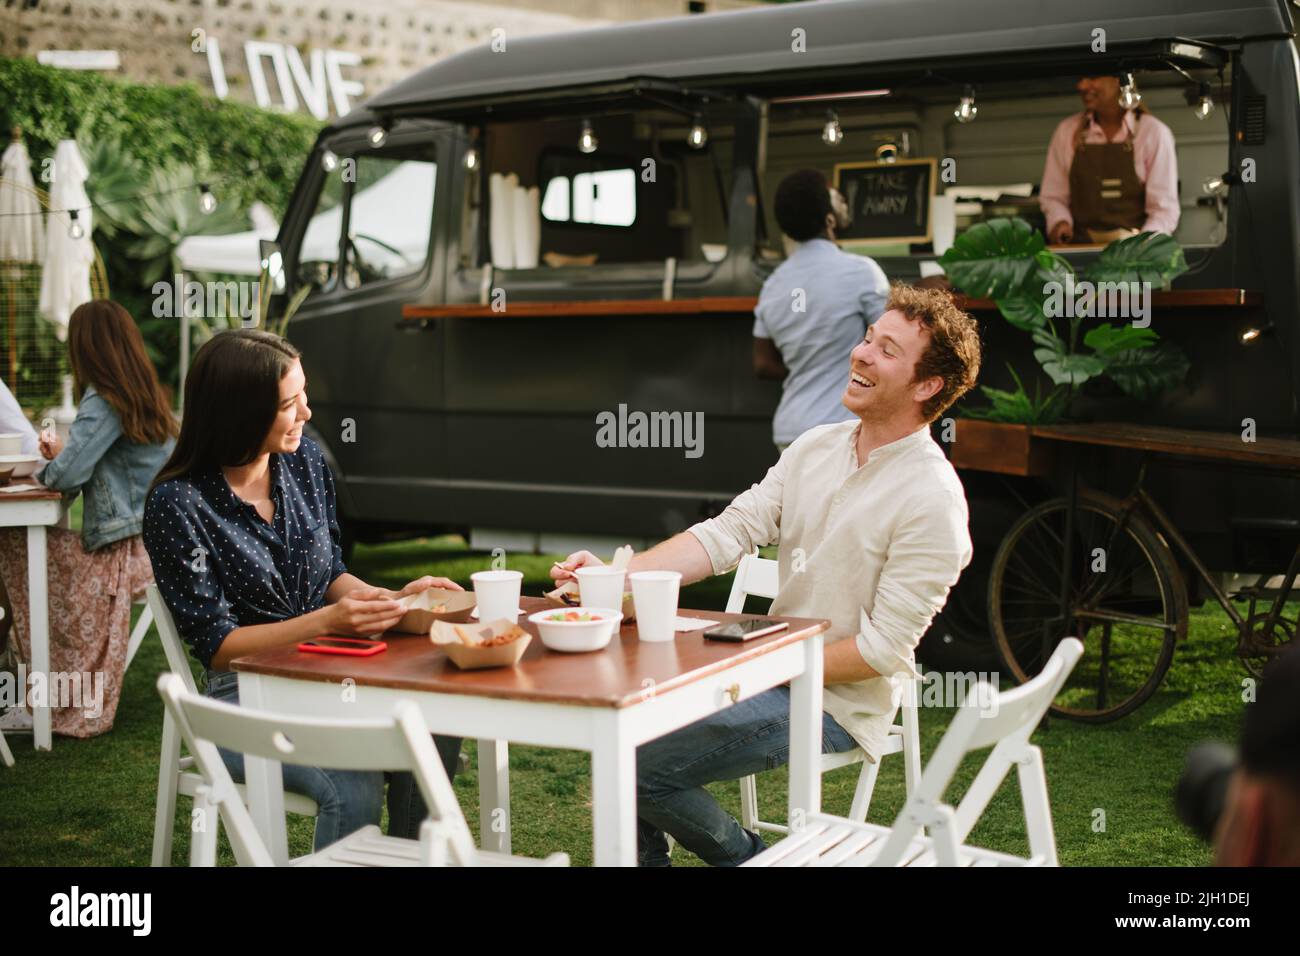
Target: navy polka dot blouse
(220, 566)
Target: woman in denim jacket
(123, 432)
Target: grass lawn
(91, 802)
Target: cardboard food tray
(447, 635)
(418, 619)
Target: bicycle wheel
(1126, 602)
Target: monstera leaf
(994, 259)
(1107, 340)
(1146, 372)
(1147, 257)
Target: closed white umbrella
(22, 233)
(22, 238)
(65, 282)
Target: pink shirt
(1154, 160)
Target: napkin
(10, 489)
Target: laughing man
(872, 525)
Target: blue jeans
(746, 738)
(347, 800)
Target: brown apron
(1105, 192)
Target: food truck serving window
(606, 197)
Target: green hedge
(160, 125)
(162, 128)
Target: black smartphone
(746, 630)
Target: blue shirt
(815, 308)
(220, 566)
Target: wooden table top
(38, 494)
(1183, 442)
(620, 675)
(742, 305)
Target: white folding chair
(139, 632)
(760, 577)
(402, 742)
(1003, 722)
(6, 755)
(175, 773)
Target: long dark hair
(106, 350)
(232, 393)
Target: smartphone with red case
(351, 646)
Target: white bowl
(576, 636)
(24, 466)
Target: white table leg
(806, 737)
(494, 795)
(265, 782)
(613, 794)
(38, 612)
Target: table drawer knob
(729, 695)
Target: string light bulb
(378, 135)
(1129, 95)
(587, 138)
(329, 160)
(207, 201)
(966, 108)
(832, 132)
(698, 135)
(1204, 102)
(75, 229)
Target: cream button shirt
(873, 548)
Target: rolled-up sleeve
(1054, 193)
(1162, 207)
(751, 521)
(927, 553)
(184, 568)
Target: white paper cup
(497, 593)
(654, 593)
(11, 443)
(601, 586)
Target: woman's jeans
(347, 800)
(746, 738)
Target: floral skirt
(90, 617)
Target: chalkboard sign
(890, 202)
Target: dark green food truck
(517, 243)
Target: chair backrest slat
(754, 575)
(170, 637)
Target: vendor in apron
(1110, 172)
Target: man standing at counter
(872, 524)
(1111, 172)
(812, 309)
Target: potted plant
(1038, 292)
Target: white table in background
(36, 510)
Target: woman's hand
(50, 444)
(363, 612)
(563, 570)
(429, 581)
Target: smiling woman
(242, 530)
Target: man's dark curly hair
(803, 201)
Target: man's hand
(363, 612)
(1061, 233)
(563, 570)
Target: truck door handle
(425, 324)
